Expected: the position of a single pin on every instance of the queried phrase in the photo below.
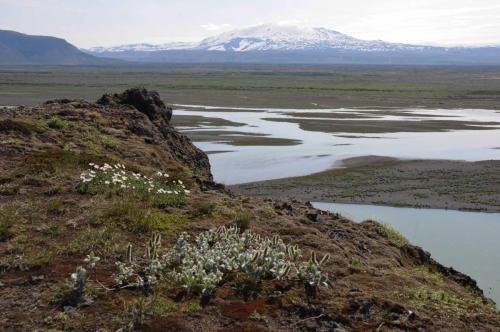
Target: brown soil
(375, 279)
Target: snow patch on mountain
(143, 47)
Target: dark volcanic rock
(147, 102)
(150, 104)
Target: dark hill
(21, 49)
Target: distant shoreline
(437, 184)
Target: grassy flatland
(264, 85)
(388, 181)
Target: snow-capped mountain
(277, 44)
(267, 37)
(270, 37)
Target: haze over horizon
(113, 22)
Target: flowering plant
(117, 180)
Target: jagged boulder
(147, 102)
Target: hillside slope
(20, 49)
(62, 208)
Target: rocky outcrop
(150, 104)
(147, 102)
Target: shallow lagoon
(319, 151)
(468, 241)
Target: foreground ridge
(110, 219)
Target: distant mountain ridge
(270, 43)
(21, 49)
(268, 37)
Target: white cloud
(215, 27)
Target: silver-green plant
(78, 282)
(141, 272)
(201, 264)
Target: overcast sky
(87, 23)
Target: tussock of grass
(202, 209)
(244, 219)
(61, 161)
(443, 301)
(94, 140)
(104, 241)
(8, 217)
(391, 234)
(23, 127)
(138, 216)
(58, 123)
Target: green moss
(391, 234)
(168, 223)
(162, 307)
(192, 306)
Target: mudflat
(386, 126)
(473, 186)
